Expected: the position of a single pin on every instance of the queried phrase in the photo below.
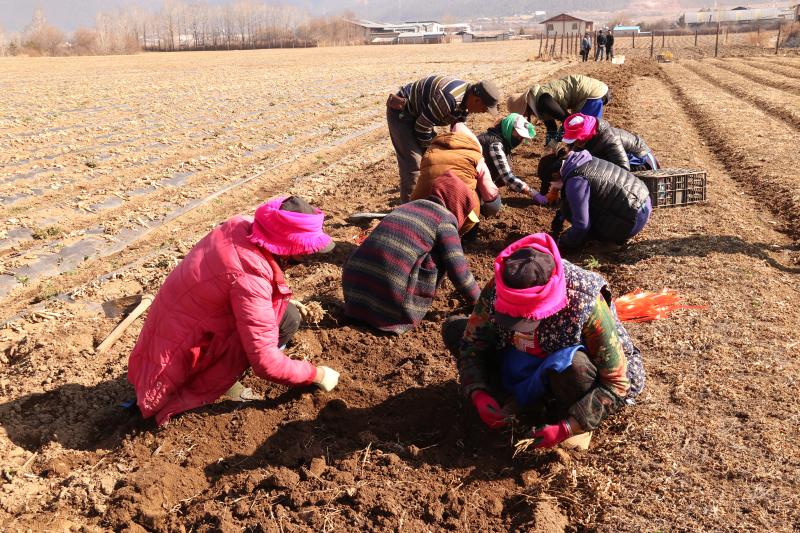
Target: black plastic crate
(670, 187)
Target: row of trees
(184, 25)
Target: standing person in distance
(586, 46)
(610, 45)
(601, 46)
(414, 111)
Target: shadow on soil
(76, 416)
(424, 425)
(701, 246)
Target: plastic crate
(670, 187)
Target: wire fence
(716, 41)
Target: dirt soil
(709, 445)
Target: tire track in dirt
(699, 447)
(773, 79)
(765, 168)
(783, 104)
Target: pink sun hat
(288, 225)
(579, 127)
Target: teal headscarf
(507, 128)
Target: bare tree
(41, 37)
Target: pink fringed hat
(579, 127)
(288, 225)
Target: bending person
(417, 107)
(498, 142)
(544, 331)
(602, 140)
(601, 201)
(226, 308)
(459, 153)
(560, 98)
(389, 282)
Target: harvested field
(710, 444)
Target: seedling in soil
(43, 233)
(91, 163)
(23, 279)
(592, 263)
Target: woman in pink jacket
(225, 308)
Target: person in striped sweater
(389, 282)
(418, 107)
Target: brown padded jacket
(456, 152)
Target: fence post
(540, 45)
(663, 38)
(546, 42)
(778, 40)
(553, 48)
(716, 42)
(633, 36)
(561, 54)
(695, 37)
(652, 41)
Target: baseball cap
(487, 91)
(524, 128)
(524, 268)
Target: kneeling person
(544, 330)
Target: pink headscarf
(286, 232)
(579, 127)
(533, 303)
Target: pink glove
(488, 409)
(540, 199)
(550, 435)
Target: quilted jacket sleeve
(251, 299)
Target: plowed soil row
(769, 78)
(280, 124)
(782, 66)
(780, 102)
(764, 161)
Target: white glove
(329, 380)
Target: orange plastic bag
(644, 306)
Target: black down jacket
(607, 144)
(616, 196)
(632, 143)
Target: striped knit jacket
(390, 281)
(434, 101)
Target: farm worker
(225, 308)
(610, 45)
(586, 46)
(602, 201)
(389, 282)
(417, 107)
(459, 152)
(544, 330)
(601, 46)
(557, 99)
(602, 140)
(498, 142)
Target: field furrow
(782, 104)
(763, 161)
(760, 77)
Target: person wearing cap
(558, 99)
(544, 332)
(602, 140)
(601, 200)
(498, 142)
(418, 107)
(389, 282)
(459, 152)
(226, 308)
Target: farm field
(112, 168)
